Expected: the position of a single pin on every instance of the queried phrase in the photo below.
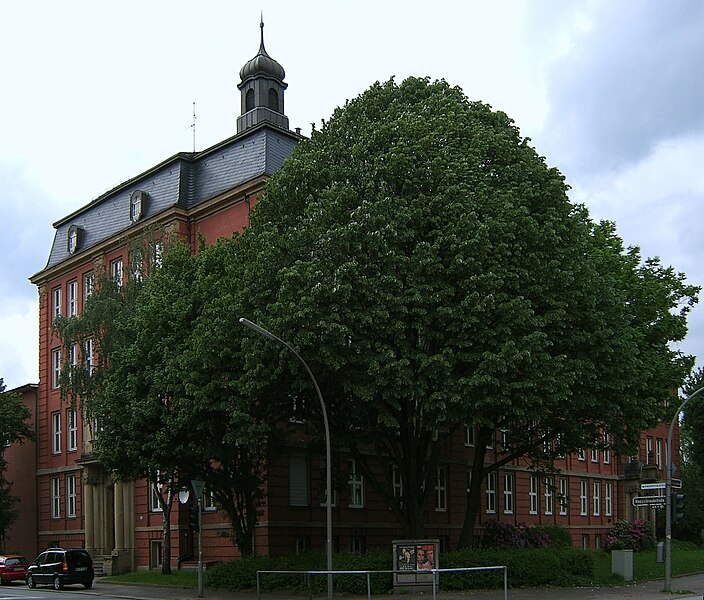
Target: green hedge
(526, 568)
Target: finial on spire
(261, 26)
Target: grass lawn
(686, 559)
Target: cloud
(656, 204)
(19, 343)
(631, 79)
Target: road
(684, 588)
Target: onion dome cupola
(262, 90)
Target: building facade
(21, 459)
(207, 195)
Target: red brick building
(21, 469)
(211, 194)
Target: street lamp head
(260, 330)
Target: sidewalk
(683, 588)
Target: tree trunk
(166, 543)
(474, 495)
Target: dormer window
(74, 238)
(138, 205)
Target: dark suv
(59, 567)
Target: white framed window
(70, 495)
(356, 485)
(509, 484)
(595, 455)
(469, 435)
(72, 298)
(649, 458)
(155, 494)
(596, 498)
(607, 449)
(491, 493)
(298, 481)
(357, 545)
(88, 356)
(56, 432)
(564, 495)
(56, 368)
(549, 495)
(56, 302)
(608, 498)
(469, 480)
(88, 283)
(158, 256)
(658, 452)
(505, 439)
(73, 359)
(207, 502)
(441, 490)
(72, 427)
(397, 483)
(583, 497)
(490, 443)
(533, 493)
(581, 454)
(55, 498)
(116, 272)
(137, 266)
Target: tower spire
(262, 89)
(261, 26)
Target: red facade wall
(21, 468)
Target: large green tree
(15, 428)
(164, 393)
(692, 461)
(430, 267)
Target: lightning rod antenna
(193, 127)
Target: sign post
(198, 487)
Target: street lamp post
(328, 469)
(668, 493)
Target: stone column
(119, 517)
(88, 512)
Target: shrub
(242, 574)
(558, 536)
(507, 535)
(636, 535)
(526, 568)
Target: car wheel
(30, 582)
(58, 584)
(88, 585)
(3, 582)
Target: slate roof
(185, 179)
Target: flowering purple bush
(507, 535)
(636, 535)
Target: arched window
(249, 100)
(273, 100)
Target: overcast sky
(94, 93)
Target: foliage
(14, 429)
(242, 574)
(559, 537)
(634, 535)
(429, 265)
(692, 461)
(527, 567)
(165, 389)
(508, 535)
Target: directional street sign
(654, 501)
(658, 485)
